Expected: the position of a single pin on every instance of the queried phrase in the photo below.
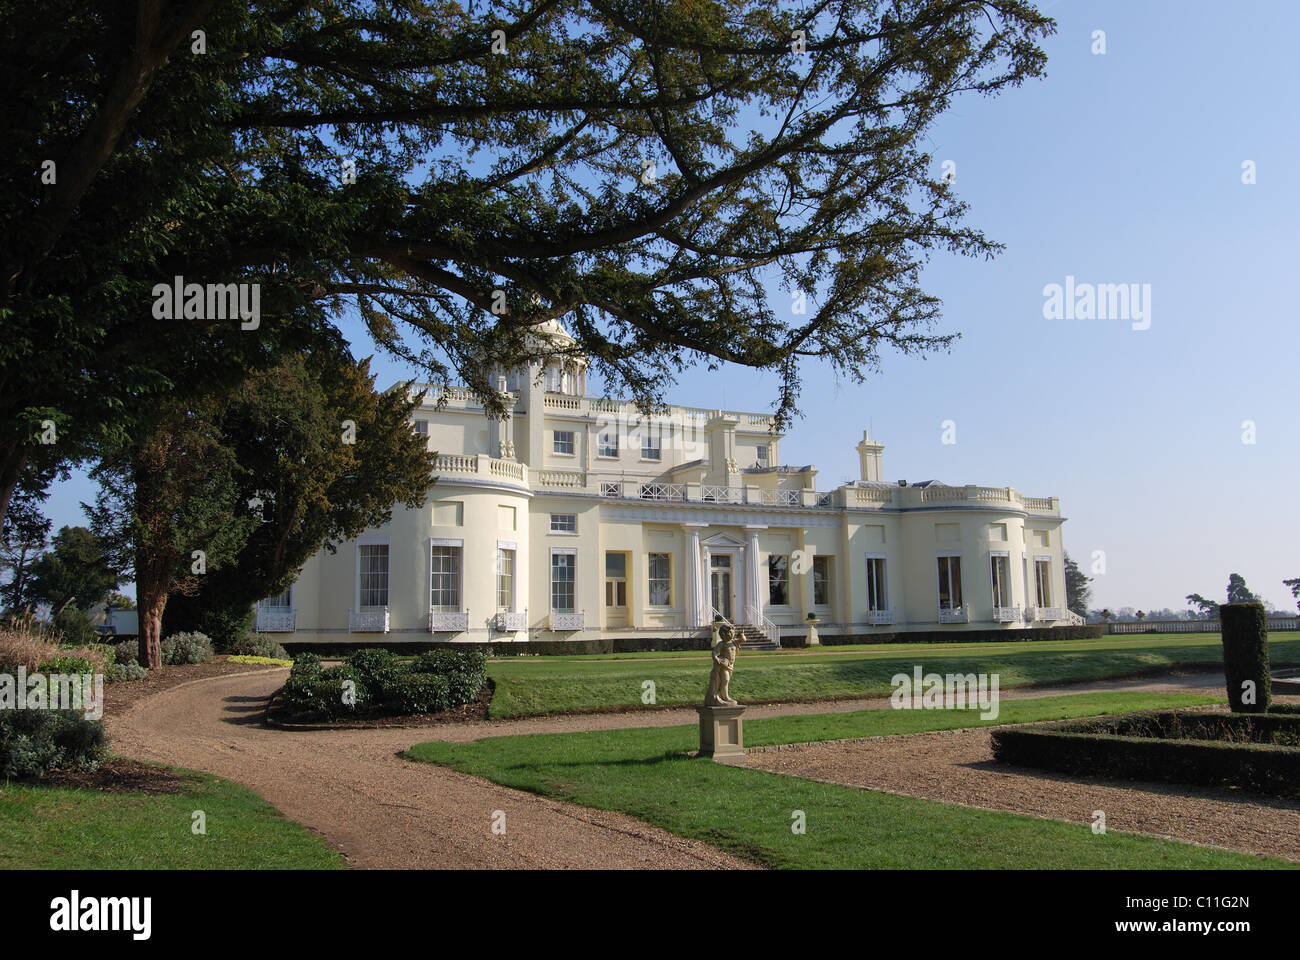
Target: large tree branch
(155, 36)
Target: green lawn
(60, 829)
(644, 773)
(531, 686)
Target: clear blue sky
(1117, 168)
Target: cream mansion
(576, 518)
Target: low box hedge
(1251, 751)
(1086, 632)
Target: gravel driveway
(378, 810)
(384, 812)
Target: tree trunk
(13, 459)
(150, 601)
(151, 638)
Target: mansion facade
(576, 518)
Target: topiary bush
(125, 652)
(371, 662)
(260, 645)
(305, 665)
(34, 742)
(465, 670)
(1245, 656)
(325, 693)
(192, 647)
(416, 693)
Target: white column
(754, 588)
(706, 587)
(694, 612)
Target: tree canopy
(681, 182)
(1077, 591)
(307, 487)
(78, 568)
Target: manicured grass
(644, 773)
(60, 829)
(530, 686)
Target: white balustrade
(711, 493)
(663, 491)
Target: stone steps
(755, 639)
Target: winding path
(380, 811)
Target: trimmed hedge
(1245, 655)
(1087, 632)
(1248, 751)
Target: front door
(720, 584)
(615, 589)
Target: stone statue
(724, 662)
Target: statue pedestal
(722, 732)
(813, 639)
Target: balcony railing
(275, 620)
(880, 617)
(1006, 614)
(368, 621)
(1044, 613)
(711, 493)
(511, 620)
(848, 497)
(448, 621)
(561, 622)
(663, 491)
(953, 615)
(481, 465)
